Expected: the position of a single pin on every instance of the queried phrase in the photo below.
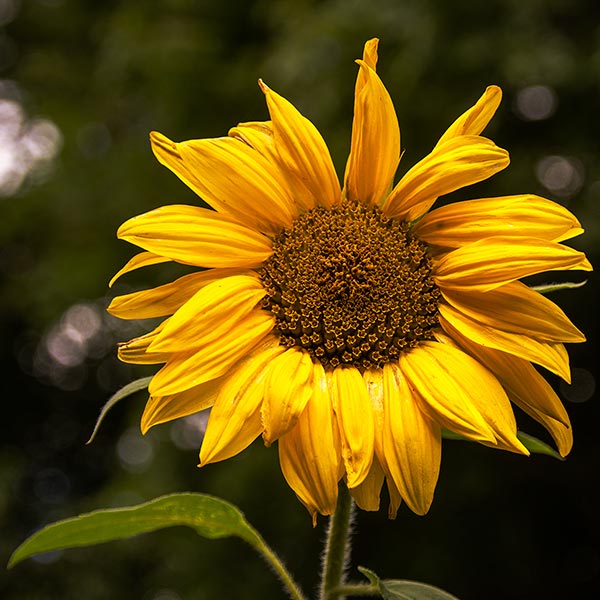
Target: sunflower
(351, 324)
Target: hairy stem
(337, 547)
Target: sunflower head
(350, 323)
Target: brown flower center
(350, 286)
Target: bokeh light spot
(135, 452)
(582, 387)
(536, 102)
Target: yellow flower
(350, 324)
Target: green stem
(284, 575)
(358, 589)
(337, 547)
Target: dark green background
(105, 74)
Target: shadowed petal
(160, 409)
(354, 414)
(288, 388)
(310, 453)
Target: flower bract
(351, 322)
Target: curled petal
(136, 351)
(310, 453)
(143, 259)
(456, 163)
(354, 414)
(197, 236)
(475, 120)
(232, 178)
(288, 388)
(462, 223)
(302, 149)
(494, 261)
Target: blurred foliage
(102, 75)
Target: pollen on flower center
(350, 286)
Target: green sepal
(533, 444)
(403, 589)
(210, 517)
(127, 390)
(548, 288)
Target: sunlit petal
(456, 163)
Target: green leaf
(403, 589)
(210, 517)
(127, 390)
(547, 288)
(533, 444)
(537, 446)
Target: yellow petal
(550, 355)
(302, 149)
(515, 308)
(374, 381)
(287, 390)
(143, 259)
(475, 120)
(494, 261)
(185, 370)
(231, 177)
(461, 223)
(235, 420)
(456, 163)
(210, 314)
(260, 136)
(450, 386)
(526, 388)
(310, 453)
(136, 351)
(165, 299)
(375, 146)
(367, 494)
(412, 442)
(161, 409)
(354, 415)
(197, 236)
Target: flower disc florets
(350, 286)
